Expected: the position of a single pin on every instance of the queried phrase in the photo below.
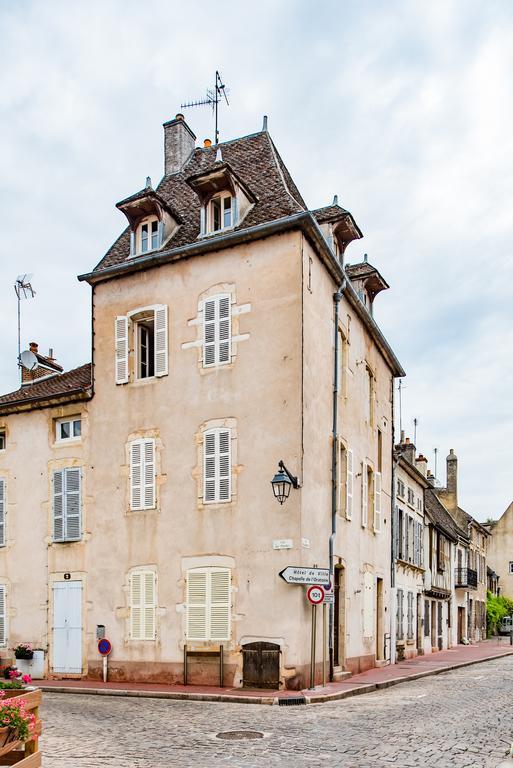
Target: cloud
(404, 109)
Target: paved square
(461, 719)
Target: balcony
(465, 578)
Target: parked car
(506, 625)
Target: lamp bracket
(295, 482)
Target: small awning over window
(147, 202)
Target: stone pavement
(363, 683)
(460, 719)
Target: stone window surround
(197, 322)
(160, 478)
(197, 473)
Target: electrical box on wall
(100, 631)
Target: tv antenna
(400, 388)
(415, 425)
(23, 289)
(435, 451)
(214, 97)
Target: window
(380, 450)
(217, 331)
(3, 504)
(511, 567)
(400, 534)
(3, 440)
(68, 429)
(148, 329)
(400, 615)
(3, 616)
(419, 504)
(221, 213)
(410, 616)
(427, 615)
(142, 474)
(208, 604)
(411, 497)
(365, 494)
(143, 605)
(343, 364)
(369, 398)
(217, 470)
(67, 504)
(377, 502)
(148, 235)
(400, 489)
(349, 484)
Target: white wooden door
(67, 627)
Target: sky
(404, 109)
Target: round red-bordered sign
(315, 594)
(104, 647)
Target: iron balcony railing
(465, 577)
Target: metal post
(221, 666)
(105, 669)
(511, 637)
(312, 647)
(324, 644)
(185, 664)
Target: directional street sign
(315, 594)
(297, 575)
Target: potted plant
(23, 651)
(16, 723)
(12, 679)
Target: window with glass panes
(148, 235)
(221, 213)
(68, 429)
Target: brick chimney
(179, 142)
(407, 449)
(421, 463)
(45, 367)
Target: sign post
(315, 595)
(104, 648)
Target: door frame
(339, 589)
(53, 579)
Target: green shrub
(497, 607)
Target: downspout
(334, 471)
(394, 521)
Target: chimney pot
(50, 353)
(33, 347)
(264, 125)
(179, 142)
(207, 143)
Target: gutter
(305, 221)
(45, 401)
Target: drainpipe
(393, 591)
(334, 471)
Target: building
(500, 552)
(227, 337)
(410, 485)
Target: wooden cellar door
(261, 665)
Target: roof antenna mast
(24, 290)
(214, 97)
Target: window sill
(203, 235)
(67, 441)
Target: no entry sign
(104, 647)
(315, 594)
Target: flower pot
(5, 736)
(34, 667)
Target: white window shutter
(224, 329)
(3, 616)
(121, 350)
(349, 485)
(219, 604)
(142, 474)
(196, 624)
(3, 502)
(150, 605)
(377, 502)
(365, 495)
(58, 505)
(161, 341)
(217, 331)
(217, 466)
(72, 504)
(136, 469)
(136, 606)
(149, 474)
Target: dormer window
(221, 210)
(148, 235)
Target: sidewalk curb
(310, 697)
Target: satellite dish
(28, 360)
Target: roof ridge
(276, 155)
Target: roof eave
(46, 401)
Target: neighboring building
(500, 550)
(492, 580)
(410, 485)
(470, 580)
(147, 510)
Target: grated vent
(292, 701)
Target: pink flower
(26, 679)
(13, 674)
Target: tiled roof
(440, 515)
(78, 380)
(329, 213)
(254, 159)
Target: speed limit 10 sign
(315, 594)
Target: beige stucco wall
(358, 549)
(500, 551)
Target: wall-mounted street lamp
(282, 482)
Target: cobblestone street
(460, 718)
